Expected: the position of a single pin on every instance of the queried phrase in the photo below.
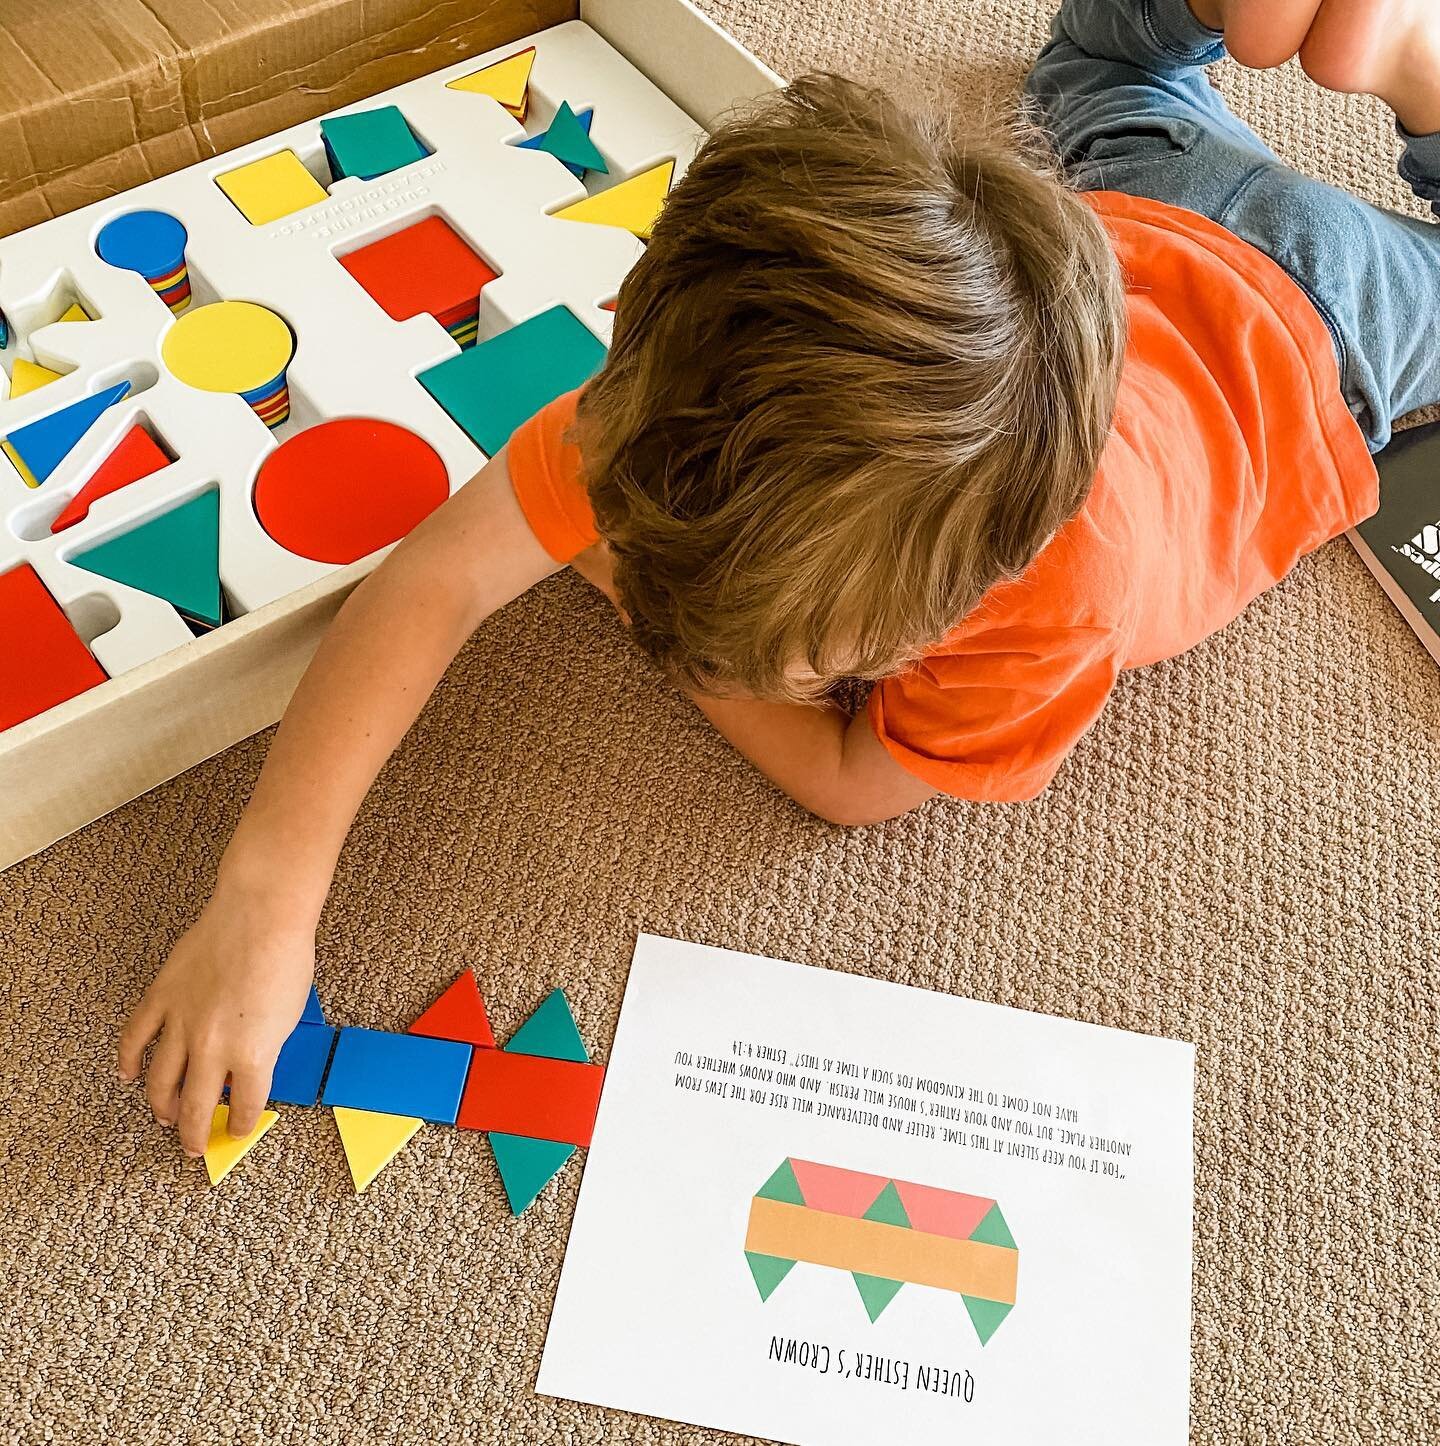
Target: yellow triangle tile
(372, 1140)
(76, 312)
(632, 205)
(26, 475)
(507, 81)
(30, 376)
(222, 1154)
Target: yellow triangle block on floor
(507, 81)
(30, 377)
(76, 312)
(222, 1154)
(633, 205)
(26, 475)
(372, 1140)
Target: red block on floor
(425, 267)
(459, 1013)
(42, 660)
(524, 1094)
(137, 455)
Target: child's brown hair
(864, 370)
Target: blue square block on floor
(301, 1065)
(398, 1074)
(497, 384)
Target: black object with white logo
(1401, 543)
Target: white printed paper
(834, 1211)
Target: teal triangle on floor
(550, 1032)
(993, 1230)
(876, 1292)
(768, 1271)
(782, 1185)
(527, 1166)
(985, 1315)
(44, 443)
(174, 555)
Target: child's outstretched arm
(235, 984)
(828, 762)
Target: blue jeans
(1122, 90)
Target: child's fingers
(142, 1026)
(162, 1079)
(248, 1091)
(203, 1083)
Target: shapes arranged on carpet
(537, 1098)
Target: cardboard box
(78, 761)
(96, 98)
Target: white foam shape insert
(351, 360)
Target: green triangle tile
(876, 1293)
(567, 141)
(768, 1270)
(527, 1166)
(175, 556)
(782, 1185)
(993, 1230)
(889, 1209)
(986, 1315)
(550, 1032)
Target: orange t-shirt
(1232, 455)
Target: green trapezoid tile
(768, 1270)
(876, 1292)
(986, 1315)
(782, 1185)
(888, 1209)
(993, 1230)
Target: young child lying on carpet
(892, 405)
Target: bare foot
(1386, 48)
(1260, 33)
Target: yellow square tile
(271, 187)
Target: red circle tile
(339, 490)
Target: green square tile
(370, 143)
(495, 386)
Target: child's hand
(223, 1004)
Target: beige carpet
(1242, 854)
